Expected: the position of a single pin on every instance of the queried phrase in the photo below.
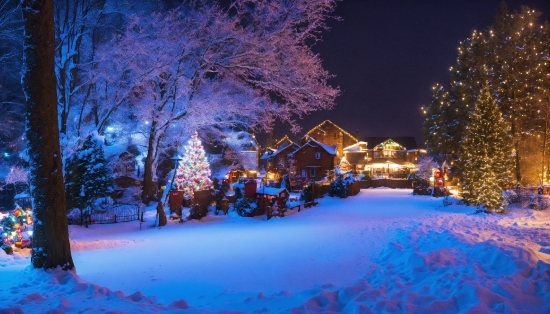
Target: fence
(114, 214)
(390, 183)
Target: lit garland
(339, 128)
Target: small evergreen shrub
(338, 188)
(243, 207)
(196, 211)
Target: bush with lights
(12, 227)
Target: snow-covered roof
(270, 191)
(356, 147)
(268, 153)
(331, 149)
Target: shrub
(243, 207)
(196, 211)
(7, 248)
(338, 188)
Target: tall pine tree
(486, 155)
(512, 56)
(193, 173)
(438, 125)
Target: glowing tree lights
(512, 58)
(485, 156)
(193, 173)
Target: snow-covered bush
(243, 207)
(338, 188)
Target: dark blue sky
(387, 54)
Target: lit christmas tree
(486, 156)
(193, 172)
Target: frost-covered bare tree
(75, 25)
(246, 63)
(11, 94)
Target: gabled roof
(355, 148)
(331, 149)
(409, 142)
(281, 141)
(291, 147)
(319, 127)
(268, 153)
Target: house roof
(409, 142)
(357, 158)
(270, 153)
(355, 148)
(319, 127)
(270, 191)
(331, 149)
(284, 139)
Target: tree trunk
(148, 190)
(51, 247)
(516, 147)
(162, 214)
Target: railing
(113, 214)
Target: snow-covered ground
(382, 251)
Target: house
(329, 133)
(394, 157)
(314, 160)
(276, 160)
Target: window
(317, 155)
(312, 172)
(304, 174)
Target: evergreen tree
(193, 173)
(485, 155)
(439, 125)
(512, 56)
(87, 176)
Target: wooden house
(314, 160)
(277, 160)
(331, 134)
(394, 157)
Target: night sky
(387, 55)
